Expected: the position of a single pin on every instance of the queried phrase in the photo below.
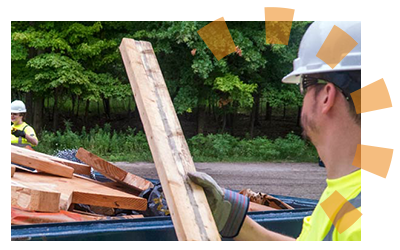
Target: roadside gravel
(304, 180)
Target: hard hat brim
(308, 62)
(294, 76)
(18, 111)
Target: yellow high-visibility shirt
(19, 141)
(318, 226)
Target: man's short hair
(353, 76)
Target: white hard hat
(18, 106)
(308, 62)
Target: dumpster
(155, 228)
(160, 228)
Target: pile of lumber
(49, 188)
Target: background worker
(22, 135)
(330, 122)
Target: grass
(132, 146)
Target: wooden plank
(79, 168)
(13, 170)
(26, 217)
(255, 207)
(113, 172)
(79, 190)
(35, 199)
(187, 203)
(18, 156)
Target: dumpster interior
(79, 196)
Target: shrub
(132, 146)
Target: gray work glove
(228, 208)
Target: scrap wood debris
(265, 199)
(25, 217)
(46, 188)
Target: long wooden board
(80, 190)
(113, 172)
(19, 156)
(13, 168)
(187, 203)
(79, 168)
(26, 217)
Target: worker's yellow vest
(318, 226)
(19, 141)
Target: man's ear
(328, 97)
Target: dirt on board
(302, 180)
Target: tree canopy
(81, 61)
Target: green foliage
(132, 146)
(236, 90)
(224, 147)
(82, 59)
(288, 95)
(75, 57)
(56, 70)
(112, 145)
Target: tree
(63, 59)
(80, 61)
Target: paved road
(305, 180)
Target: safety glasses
(307, 81)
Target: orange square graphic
(278, 24)
(372, 97)
(336, 46)
(356, 97)
(341, 212)
(218, 39)
(277, 32)
(375, 160)
(278, 14)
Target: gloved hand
(18, 133)
(228, 208)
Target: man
(330, 122)
(22, 134)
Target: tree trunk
(78, 105)
(55, 109)
(73, 97)
(106, 104)
(29, 108)
(284, 111)
(268, 112)
(85, 119)
(232, 122)
(254, 114)
(256, 107)
(201, 119)
(38, 114)
(223, 122)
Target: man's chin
(305, 136)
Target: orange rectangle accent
(375, 160)
(356, 97)
(218, 38)
(222, 19)
(277, 32)
(278, 14)
(375, 96)
(336, 46)
(341, 213)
